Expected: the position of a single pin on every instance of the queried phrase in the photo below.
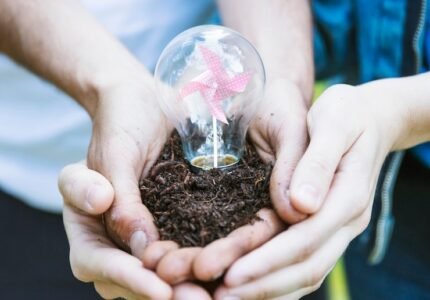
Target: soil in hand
(196, 209)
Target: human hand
(129, 132)
(93, 256)
(351, 129)
(279, 134)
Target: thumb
(287, 157)
(329, 141)
(85, 189)
(128, 222)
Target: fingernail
(138, 242)
(308, 195)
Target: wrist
(401, 107)
(113, 85)
(299, 76)
(294, 87)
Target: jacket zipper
(418, 32)
(385, 222)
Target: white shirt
(42, 129)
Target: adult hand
(351, 130)
(129, 132)
(279, 134)
(93, 256)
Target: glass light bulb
(210, 80)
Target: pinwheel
(215, 85)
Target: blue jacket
(360, 41)
(367, 40)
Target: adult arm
(61, 42)
(281, 32)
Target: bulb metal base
(206, 162)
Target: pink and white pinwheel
(215, 85)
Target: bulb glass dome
(210, 81)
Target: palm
(95, 258)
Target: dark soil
(196, 209)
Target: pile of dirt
(196, 209)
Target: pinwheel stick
(215, 141)
(215, 85)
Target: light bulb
(210, 80)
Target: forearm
(281, 32)
(59, 41)
(404, 105)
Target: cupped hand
(129, 131)
(279, 134)
(351, 129)
(93, 256)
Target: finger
(85, 189)
(308, 274)
(349, 197)
(113, 291)
(155, 251)
(219, 255)
(290, 151)
(127, 271)
(186, 291)
(129, 223)
(93, 259)
(329, 141)
(176, 266)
